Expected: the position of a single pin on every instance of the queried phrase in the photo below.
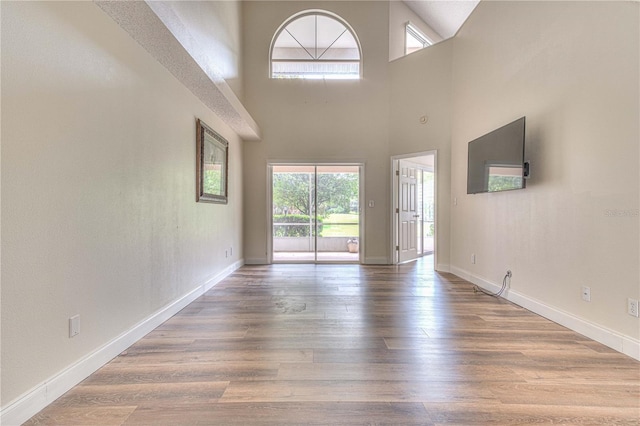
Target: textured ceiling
(444, 16)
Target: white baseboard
(367, 261)
(30, 403)
(619, 342)
(376, 261)
(443, 267)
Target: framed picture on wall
(212, 168)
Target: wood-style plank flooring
(349, 344)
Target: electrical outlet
(586, 293)
(74, 325)
(226, 253)
(230, 251)
(632, 307)
(473, 259)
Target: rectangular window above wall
(415, 39)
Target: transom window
(415, 39)
(315, 44)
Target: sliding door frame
(269, 212)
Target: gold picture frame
(212, 165)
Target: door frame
(409, 211)
(361, 227)
(395, 159)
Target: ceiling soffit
(159, 31)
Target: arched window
(315, 44)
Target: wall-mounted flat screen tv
(496, 160)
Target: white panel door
(408, 212)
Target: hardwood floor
(349, 344)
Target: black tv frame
(500, 151)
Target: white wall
(98, 211)
(215, 28)
(399, 15)
(572, 69)
(421, 86)
(332, 121)
(98, 189)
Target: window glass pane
(345, 47)
(414, 39)
(304, 31)
(413, 43)
(286, 47)
(327, 70)
(328, 31)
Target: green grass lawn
(348, 225)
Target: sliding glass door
(315, 213)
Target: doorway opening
(414, 206)
(315, 213)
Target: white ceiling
(444, 16)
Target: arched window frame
(315, 12)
